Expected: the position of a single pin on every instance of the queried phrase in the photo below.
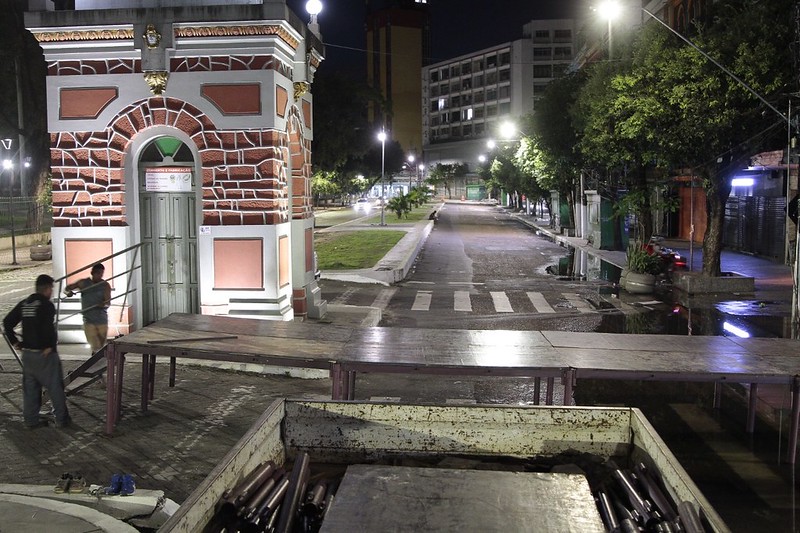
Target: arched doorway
(167, 229)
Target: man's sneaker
(65, 424)
(78, 484)
(128, 485)
(37, 425)
(63, 483)
(115, 486)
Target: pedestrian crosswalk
(462, 301)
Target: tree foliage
(445, 173)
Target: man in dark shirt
(95, 299)
(41, 366)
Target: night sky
(457, 26)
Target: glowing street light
(609, 10)
(508, 130)
(8, 165)
(482, 158)
(382, 139)
(314, 8)
(490, 144)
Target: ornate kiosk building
(181, 131)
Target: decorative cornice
(237, 31)
(83, 35)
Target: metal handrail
(60, 281)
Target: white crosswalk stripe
(422, 302)
(383, 298)
(577, 302)
(461, 301)
(539, 303)
(501, 302)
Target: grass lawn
(416, 214)
(332, 217)
(346, 250)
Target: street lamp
(9, 165)
(382, 139)
(609, 10)
(508, 130)
(314, 8)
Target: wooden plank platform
(346, 351)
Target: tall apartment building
(466, 98)
(398, 37)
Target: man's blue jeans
(39, 371)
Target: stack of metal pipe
(270, 499)
(636, 502)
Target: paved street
(190, 427)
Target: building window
(455, 131)
(542, 71)
(491, 94)
(466, 130)
(477, 81)
(563, 35)
(434, 75)
(455, 71)
(442, 103)
(491, 110)
(539, 88)
(505, 58)
(477, 65)
(435, 90)
(478, 112)
(505, 75)
(435, 121)
(445, 89)
(542, 34)
(466, 68)
(559, 69)
(478, 97)
(455, 116)
(504, 108)
(504, 91)
(541, 54)
(562, 52)
(455, 101)
(434, 106)
(466, 99)
(491, 61)
(466, 84)
(445, 74)
(491, 78)
(455, 86)
(478, 128)
(467, 114)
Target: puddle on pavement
(664, 312)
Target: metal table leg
(569, 375)
(111, 388)
(549, 395)
(537, 390)
(751, 408)
(145, 381)
(792, 451)
(151, 376)
(171, 371)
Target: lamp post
(420, 174)
(9, 166)
(314, 8)
(609, 10)
(382, 139)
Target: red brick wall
(300, 157)
(243, 173)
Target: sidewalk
(23, 258)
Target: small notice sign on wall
(168, 179)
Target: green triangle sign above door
(168, 146)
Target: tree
(707, 121)
(444, 173)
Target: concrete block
(728, 282)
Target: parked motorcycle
(670, 259)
